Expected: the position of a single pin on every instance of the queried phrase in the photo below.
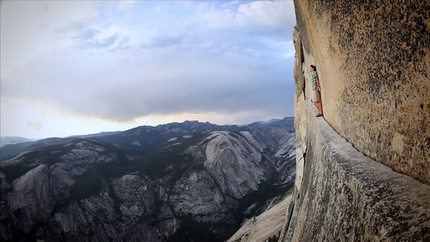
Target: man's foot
(319, 115)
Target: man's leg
(319, 106)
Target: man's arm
(318, 84)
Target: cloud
(27, 27)
(163, 41)
(270, 14)
(34, 125)
(273, 16)
(130, 60)
(87, 34)
(89, 39)
(123, 5)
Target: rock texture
(234, 162)
(183, 182)
(373, 59)
(362, 171)
(346, 196)
(265, 227)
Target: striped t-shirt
(314, 76)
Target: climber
(317, 89)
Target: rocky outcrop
(30, 198)
(264, 227)
(362, 170)
(235, 163)
(184, 182)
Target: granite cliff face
(373, 59)
(363, 170)
(177, 182)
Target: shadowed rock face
(30, 198)
(373, 61)
(184, 182)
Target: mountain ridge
(6, 140)
(186, 181)
(13, 149)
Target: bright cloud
(116, 64)
(34, 125)
(126, 4)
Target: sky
(84, 67)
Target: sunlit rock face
(182, 183)
(235, 163)
(362, 171)
(373, 61)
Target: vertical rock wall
(346, 196)
(363, 171)
(373, 59)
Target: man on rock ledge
(317, 89)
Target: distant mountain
(94, 135)
(187, 181)
(13, 140)
(15, 145)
